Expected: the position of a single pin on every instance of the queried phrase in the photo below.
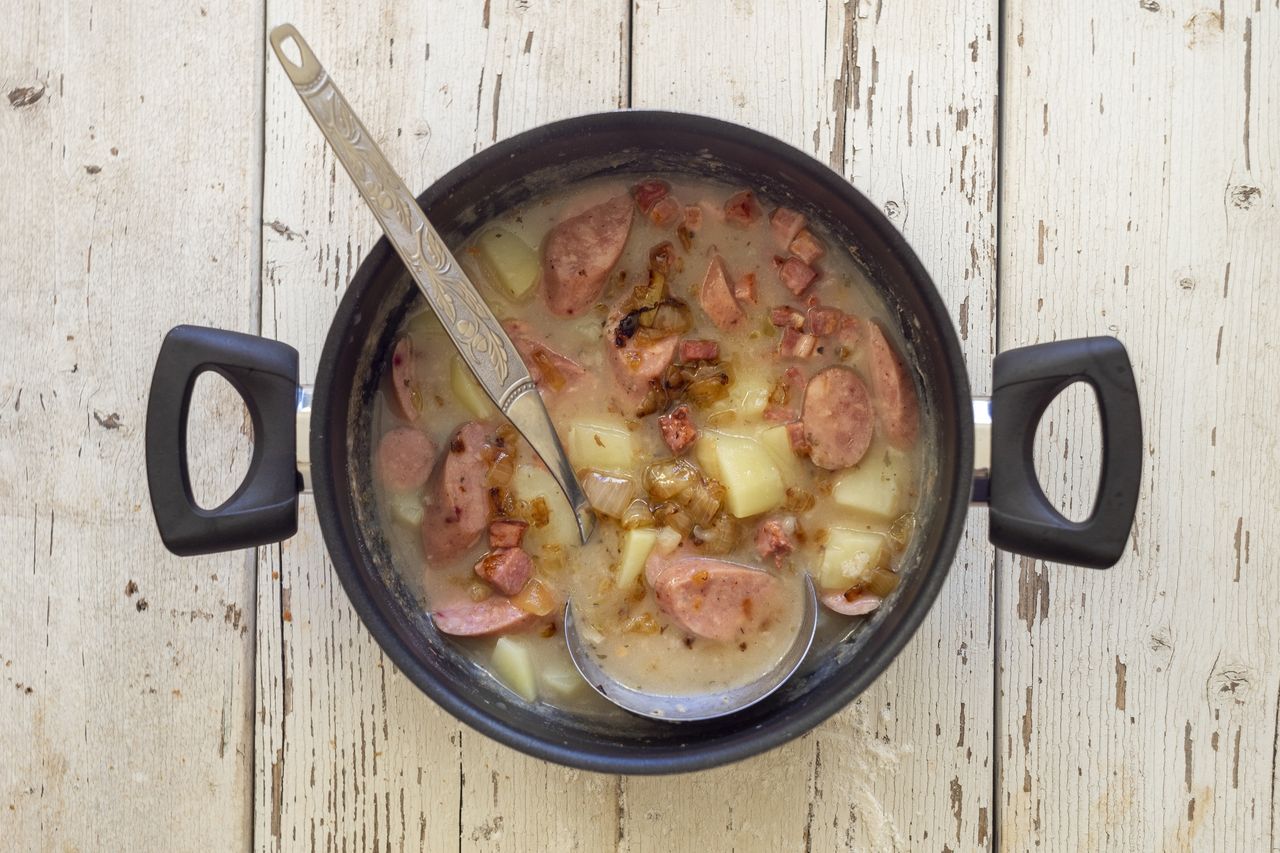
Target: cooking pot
(336, 462)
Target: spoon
(700, 706)
(479, 337)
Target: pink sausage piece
(699, 350)
(895, 393)
(639, 360)
(550, 370)
(580, 252)
(677, 430)
(505, 569)
(741, 209)
(494, 615)
(837, 417)
(744, 289)
(406, 398)
(715, 599)
(785, 224)
(807, 247)
(796, 275)
(860, 605)
(405, 459)
(458, 508)
(773, 540)
(716, 296)
(507, 532)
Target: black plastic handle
(1022, 519)
(265, 507)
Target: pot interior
(363, 333)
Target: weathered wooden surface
(1038, 706)
(129, 205)
(1142, 165)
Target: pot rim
(344, 552)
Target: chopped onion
(702, 500)
(674, 515)
(900, 531)
(798, 500)
(478, 590)
(637, 514)
(669, 477)
(609, 494)
(719, 537)
(880, 582)
(642, 623)
(536, 598)
(504, 465)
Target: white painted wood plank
(130, 196)
(1138, 706)
(901, 98)
(351, 753)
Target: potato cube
(508, 261)
(636, 545)
(875, 487)
(848, 557)
(561, 678)
(513, 665)
(603, 444)
(529, 483)
(406, 508)
(751, 478)
(427, 332)
(468, 390)
(778, 443)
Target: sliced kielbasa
(716, 296)
(741, 209)
(716, 599)
(859, 604)
(895, 393)
(405, 458)
(837, 417)
(796, 275)
(505, 569)
(638, 360)
(507, 532)
(699, 350)
(550, 370)
(458, 508)
(495, 615)
(580, 252)
(785, 224)
(406, 396)
(807, 247)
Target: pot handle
(1022, 518)
(265, 506)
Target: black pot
(506, 174)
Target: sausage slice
(895, 393)
(506, 569)
(550, 370)
(837, 417)
(716, 296)
(580, 252)
(494, 615)
(406, 396)
(859, 605)
(716, 599)
(405, 458)
(458, 510)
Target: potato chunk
(513, 665)
(848, 557)
(874, 488)
(530, 483)
(562, 679)
(752, 481)
(778, 443)
(636, 545)
(406, 507)
(508, 261)
(603, 444)
(468, 390)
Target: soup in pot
(729, 389)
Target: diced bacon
(744, 289)
(795, 434)
(507, 532)
(649, 193)
(796, 344)
(741, 209)
(786, 317)
(785, 224)
(666, 212)
(505, 569)
(772, 540)
(796, 275)
(693, 218)
(699, 350)
(677, 430)
(807, 247)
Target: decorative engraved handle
(475, 331)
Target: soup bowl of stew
(757, 384)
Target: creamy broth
(754, 497)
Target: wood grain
(126, 686)
(1142, 141)
(901, 99)
(350, 753)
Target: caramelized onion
(609, 494)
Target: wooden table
(1063, 169)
